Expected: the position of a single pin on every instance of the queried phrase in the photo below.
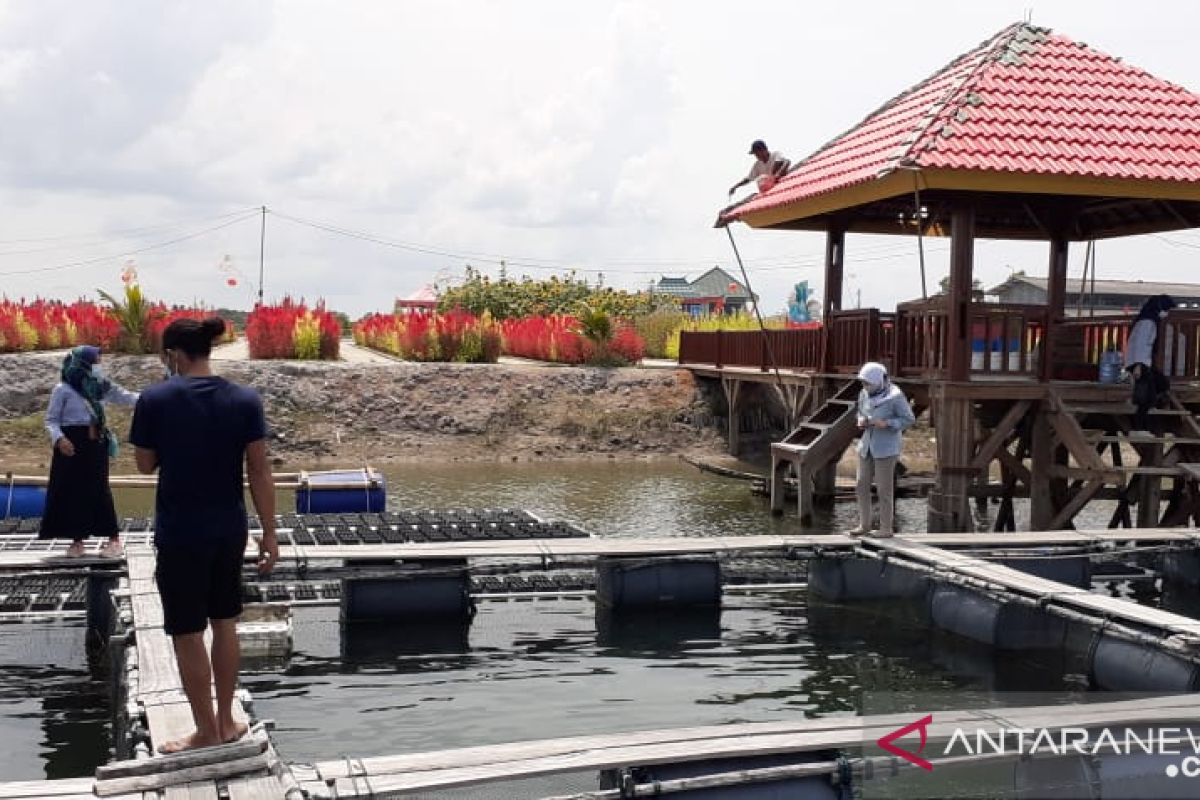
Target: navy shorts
(199, 580)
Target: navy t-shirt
(199, 427)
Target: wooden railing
(1180, 354)
(1006, 340)
(859, 336)
(792, 349)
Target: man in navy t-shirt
(196, 429)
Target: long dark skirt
(79, 502)
(1147, 389)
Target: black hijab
(1154, 306)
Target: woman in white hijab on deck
(883, 415)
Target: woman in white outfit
(883, 415)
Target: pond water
(536, 669)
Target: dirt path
(350, 353)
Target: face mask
(1162, 315)
(97, 371)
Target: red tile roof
(1025, 101)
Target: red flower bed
(50, 325)
(455, 336)
(293, 330)
(159, 317)
(557, 338)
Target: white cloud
(601, 134)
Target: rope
(920, 230)
(757, 312)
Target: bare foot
(192, 741)
(75, 550)
(234, 732)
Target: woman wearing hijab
(883, 415)
(79, 502)
(1148, 382)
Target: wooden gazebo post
(1047, 495)
(835, 246)
(953, 420)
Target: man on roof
(767, 170)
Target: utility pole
(262, 246)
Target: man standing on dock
(196, 429)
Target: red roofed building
(424, 300)
(1030, 135)
(1027, 111)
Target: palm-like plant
(595, 325)
(133, 313)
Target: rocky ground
(344, 413)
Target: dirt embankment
(336, 413)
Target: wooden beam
(1000, 435)
(1072, 436)
(1151, 488)
(835, 259)
(733, 389)
(962, 258)
(1014, 464)
(1056, 293)
(1076, 503)
(1041, 458)
(835, 246)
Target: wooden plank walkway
(158, 691)
(1176, 630)
(445, 769)
(658, 546)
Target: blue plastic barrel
(349, 491)
(21, 500)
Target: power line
(136, 251)
(778, 263)
(105, 237)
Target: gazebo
(424, 300)
(1028, 136)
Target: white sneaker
(859, 531)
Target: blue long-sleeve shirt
(67, 407)
(894, 409)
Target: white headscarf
(873, 373)
(875, 382)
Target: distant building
(1114, 296)
(714, 292)
(423, 300)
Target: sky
(393, 143)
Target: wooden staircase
(1097, 439)
(816, 444)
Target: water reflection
(54, 713)
(657, 633)
(548, 668)
(392, 644)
